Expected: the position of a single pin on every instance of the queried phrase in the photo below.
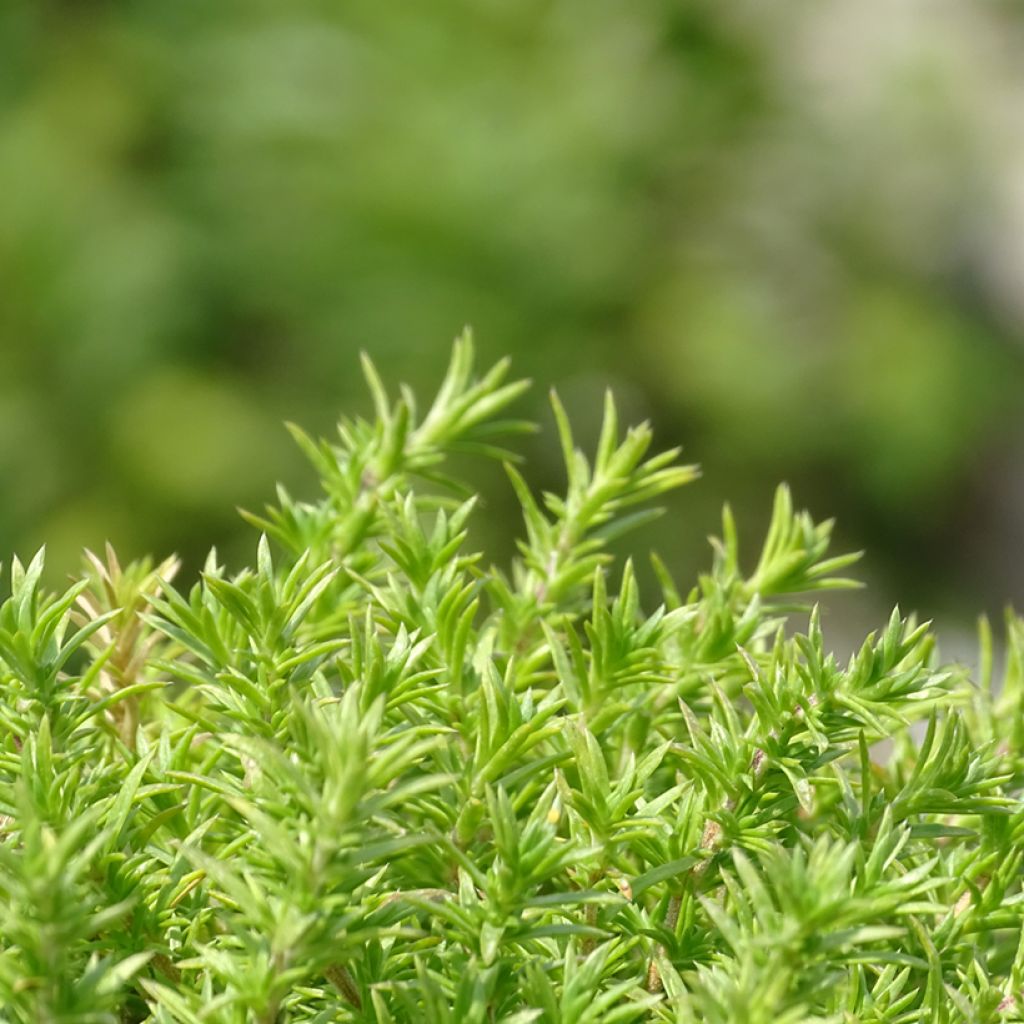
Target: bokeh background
(790, 234)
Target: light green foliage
(374, 778)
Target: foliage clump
(374, 778)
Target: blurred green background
(790, 234)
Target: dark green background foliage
(376, 778)
(788, 233)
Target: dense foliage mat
(375, 778)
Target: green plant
(372, 778)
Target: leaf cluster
(374, 778)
